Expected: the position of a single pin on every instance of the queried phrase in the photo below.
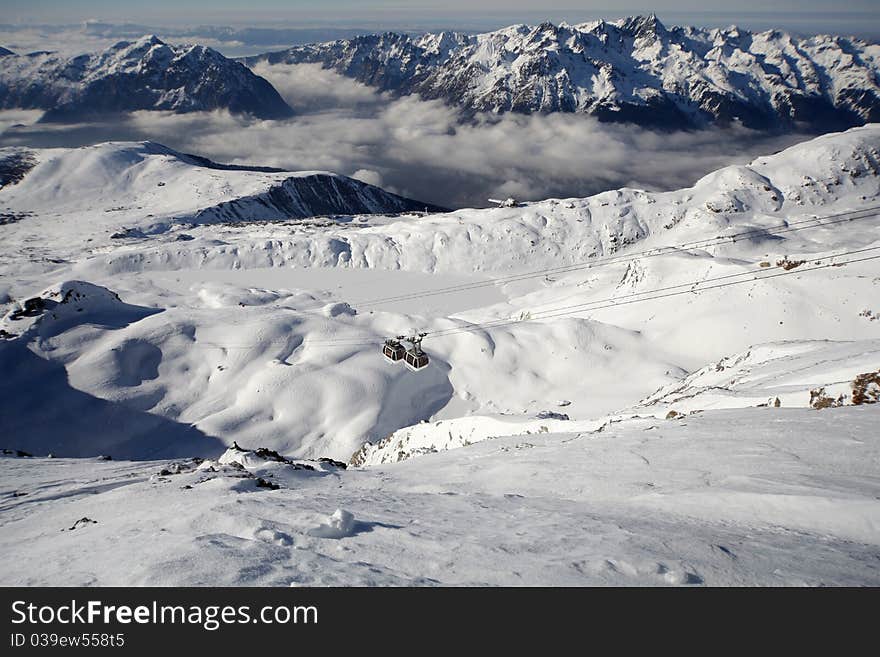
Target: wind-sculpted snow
(792, 374)
(41, 406)
(633, 70)
(143, 75)
(289, 371)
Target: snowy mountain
(267, 334)
(146, 74)
(144, 187)
(667, 389)
(634, 70)
(808, 179)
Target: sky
(28, 24)
(486, 13)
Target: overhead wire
(788, 227)
(693, 287)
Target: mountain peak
(643, 26)
(145, 74)
(633, 70)
(150, 39)
(145, 42)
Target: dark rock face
(143, 75)
(15, 164)
(320, 194)
(635, 70)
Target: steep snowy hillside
(634, 70)
(130, 189)
(262, 333)
(146, 74)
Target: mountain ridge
(632, 70)
(146, 74)
(150, 187)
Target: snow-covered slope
(267, 356)
(593, 420)
(793, 374)
(288, 370)
(825, 175)
(773, 497)
(146, 74)
(144, 187)
(799, 374)
(634, 69)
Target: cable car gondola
(393, 350)
(414, 358)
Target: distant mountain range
(632, 70)
(146, 74)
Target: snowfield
(632, 388)
(785, 497)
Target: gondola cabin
(416, 359)
(393, 351)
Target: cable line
(788, 227)
(694, 287)
(612, 303)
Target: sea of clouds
(422, 149)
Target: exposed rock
(820, 400)
(82, 522)
(552, 415)
(866, 388)
(16, 452)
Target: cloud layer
(419, 149)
